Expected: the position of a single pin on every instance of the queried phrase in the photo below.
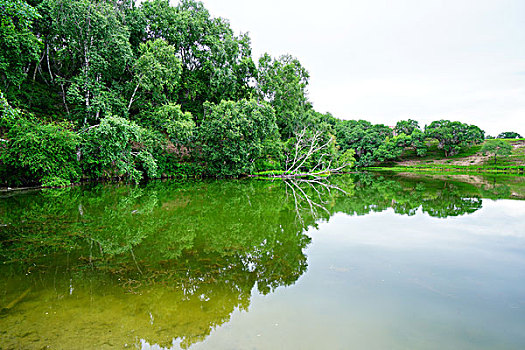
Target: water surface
(362, 261)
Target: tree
(309, 152)
(20, 46)
(364, 137)
(117, 148)
(391, 148)
(497, 147)
(88, 49)
(406, 127)
(216, 64)
(235, 135)
(509, 135)
(157, 72)
(312, 148)
(417, 142)
(454, 135)
(282, 82)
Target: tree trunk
(133, 96)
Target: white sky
(384, 60)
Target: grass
(454, 169)
(512, 164)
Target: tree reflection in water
(170, 260)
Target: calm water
(361, 261)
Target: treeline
(120, 89)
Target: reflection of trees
(191, 254)
(405, 196)
(203, 246)
(315, 196)
(362, 194)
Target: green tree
(509, 135)
(364, 137)
(406, 127)
(216, 64)
(496, 147)
(282, 82)
(88, 49)
(452, 135)
(19, 45)
(157, 72)
(235, 135)
(391, 148)
(117, 148)
(417, 142)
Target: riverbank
(470, 160)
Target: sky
(385, 61)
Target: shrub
(117, 148)
(34, 152)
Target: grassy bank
(469, 160)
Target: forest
(128, 90)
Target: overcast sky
(386, 60)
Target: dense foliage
(454, 135)
(235, 135)
(133, 90)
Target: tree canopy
(140, 89)
(452, 135)
(235, 135)
(509, 135)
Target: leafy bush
(39, 153)
(117, 148)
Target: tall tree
(216, 64)
(88, 46)
(235, 135)
(20, 47)
(406, 127)
(156, 73)
(282, 82)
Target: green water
(359, 261)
